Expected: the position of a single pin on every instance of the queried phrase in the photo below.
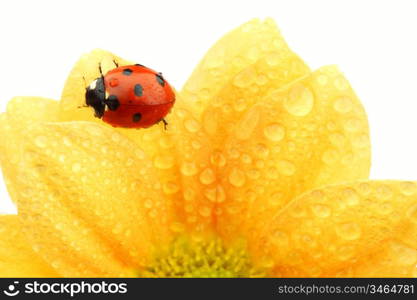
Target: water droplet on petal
(189, 169)
(350, 197)
(244, 78)
(207, 176)
(164, 161)
(349, 231)
(170, 188)
(300, 101)
(274, 132)
(321, 210)
(205, 211)
(412, 213)
(343, 105)
(218, 159)
(273, 58)
(408, 188)
(237, 177)
(191, 125)
(384, 192)
(286, 168)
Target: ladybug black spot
(160, 79)
(112, 102)
(127, 72)
(136, 117)
(138, 90)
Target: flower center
(202, 259)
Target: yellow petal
(312, 132)
(17, 259)
(394, 259)
(89, 200)
(241, 68)
(21, 111)
(233, 53)
(156, 142)
(352, 229)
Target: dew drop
(166, 142)
(164, 161)
(300, 101)
(352, 125)
(205, 211)
(349, 231)
(246, 159)
(286, 168)
(321, 210)
(196, 145)
(244, 78)
(189, 169)
(343, 105)
(239, 105)
(191, 125)
(170, 188)
(274, 132)
(350, 197)
(218, 159)
(273, 58)
(384, 192)
(216, 194)
(337, 139)
(408, 188)
(412, 213)
(261, 79)
(237, 177)
(341, 83)
(207, 176)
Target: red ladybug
(131, 96)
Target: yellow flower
(262, 172)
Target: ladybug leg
(115, 63)
(165, 123)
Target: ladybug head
(95, 96)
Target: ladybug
(132, 96)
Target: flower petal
(17, 259)
(89, 200)
(233, 53)
(312, 132)
(156, 142)
(351, 229)
(239, 69)
(21, 111)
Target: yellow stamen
(186, 258)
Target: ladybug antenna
(100, 69)
(115, 63)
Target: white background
(373, 42)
